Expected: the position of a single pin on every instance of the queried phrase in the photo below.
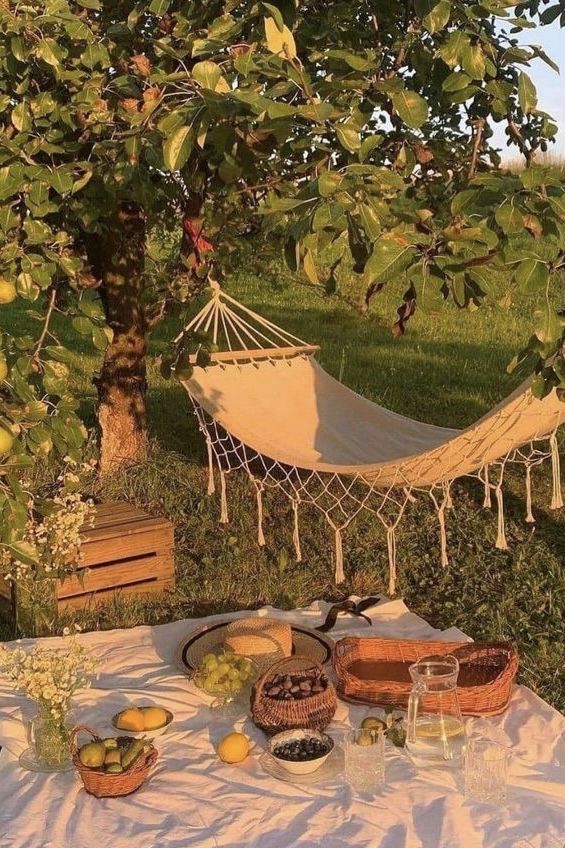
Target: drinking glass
(486, 771)
(365, 758)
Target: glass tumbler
(365, 758)
(486, 771)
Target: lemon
(131, 719)
(233, 748)
(153, 717)
(7, 291)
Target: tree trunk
(119, 258)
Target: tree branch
(478, 130)
(45, 330)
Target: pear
(92, 754)
(113, 768)
(132, 752)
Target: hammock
(267, 407)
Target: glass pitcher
(435, 733)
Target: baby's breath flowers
(50, 676)
(51, 542)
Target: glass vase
(49, 742)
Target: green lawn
(449, 369)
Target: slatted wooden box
(127, 551)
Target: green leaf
(279, 41)
(473, 61)
(207, 74)
(61, 354)
(558, 205)
(99, 338)
(49, 51)
(329, 182)
(370, 221)
(509, 218)
(55, 377)
(388, 259)
(177, 148)
(310, 269)
(527, 95)
(456, 81)
(438, 18)
(532, 276)
(276, 15)
(452, 49)
(348, 137)
(368, 145)
(412, 108)
(548, 325)
(61, 179)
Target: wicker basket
(103, 785)
(272, 716)
(375, 671)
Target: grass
(449, 369)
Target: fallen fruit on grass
(154, 717)
(233, 748)
(92, 754)
(131, 719)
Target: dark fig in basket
(297, 686)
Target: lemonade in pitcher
(435, 733)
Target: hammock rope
(293, 429)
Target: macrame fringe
(211, 484)
(339, 573)
(391, 545)
(296, 533)
(487, 503)
(556, 497)
(443, 534)
(529, 514)
(501, 542)
(260, 534)
(224, 517)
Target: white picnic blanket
(192, 799)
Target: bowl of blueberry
(301, 751)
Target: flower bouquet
(50, 677)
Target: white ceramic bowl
(144, 734)
(300, 766)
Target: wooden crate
(127, 551)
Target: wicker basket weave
(375, 671)
(273, 716)
(103, 785)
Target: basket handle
(279, 665)
(75, 732)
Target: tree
(361, 132)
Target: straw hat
(211, 639)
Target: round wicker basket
(274, 716)
(103, 785)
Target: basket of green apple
(225, 675)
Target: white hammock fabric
(267, 407)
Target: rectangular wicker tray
(376, 671)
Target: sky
(550, 85)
